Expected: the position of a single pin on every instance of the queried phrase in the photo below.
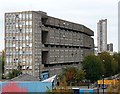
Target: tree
(109, 64)
(116, 57)
(119, 62)
(2, 61)
(114, 88)
(69, 74)
(115, 66)
(61, 88)
(14, 73)
(72, 75)
(80, 76)
(93, 67)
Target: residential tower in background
(102, 35)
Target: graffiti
(26, 86)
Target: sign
(107, 81)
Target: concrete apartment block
(39, 43)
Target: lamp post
(103, 83)
(98, 89)
(88, 83)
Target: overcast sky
(86, 12)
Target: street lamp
(103, 83)
(88, 83)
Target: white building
(119, 26)
(102, 35)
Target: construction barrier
(27, 86)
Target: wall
(25, 87)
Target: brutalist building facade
(40, 44)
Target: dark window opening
(44, 37)
(44, 57)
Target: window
(20, 52)
(30, 38)
(13, 37)
(13, 45)
(23, 16)
(30, 67)
(23, 30)
(23, 23)
(30, 52)
(16, 24)
(17, 16)
(27, 37)
(7, 60)
(30, 45)
(21, 38)
(27, 23)
(23, 44)
(16, 47)
(30, 29)
(20, 30)
(27, 16)
(27, 31)
(30, 22)
(20, 47)
(30, 61)
(30, 16)
(20, 16)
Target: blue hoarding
(88, 91)
(25, 86)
